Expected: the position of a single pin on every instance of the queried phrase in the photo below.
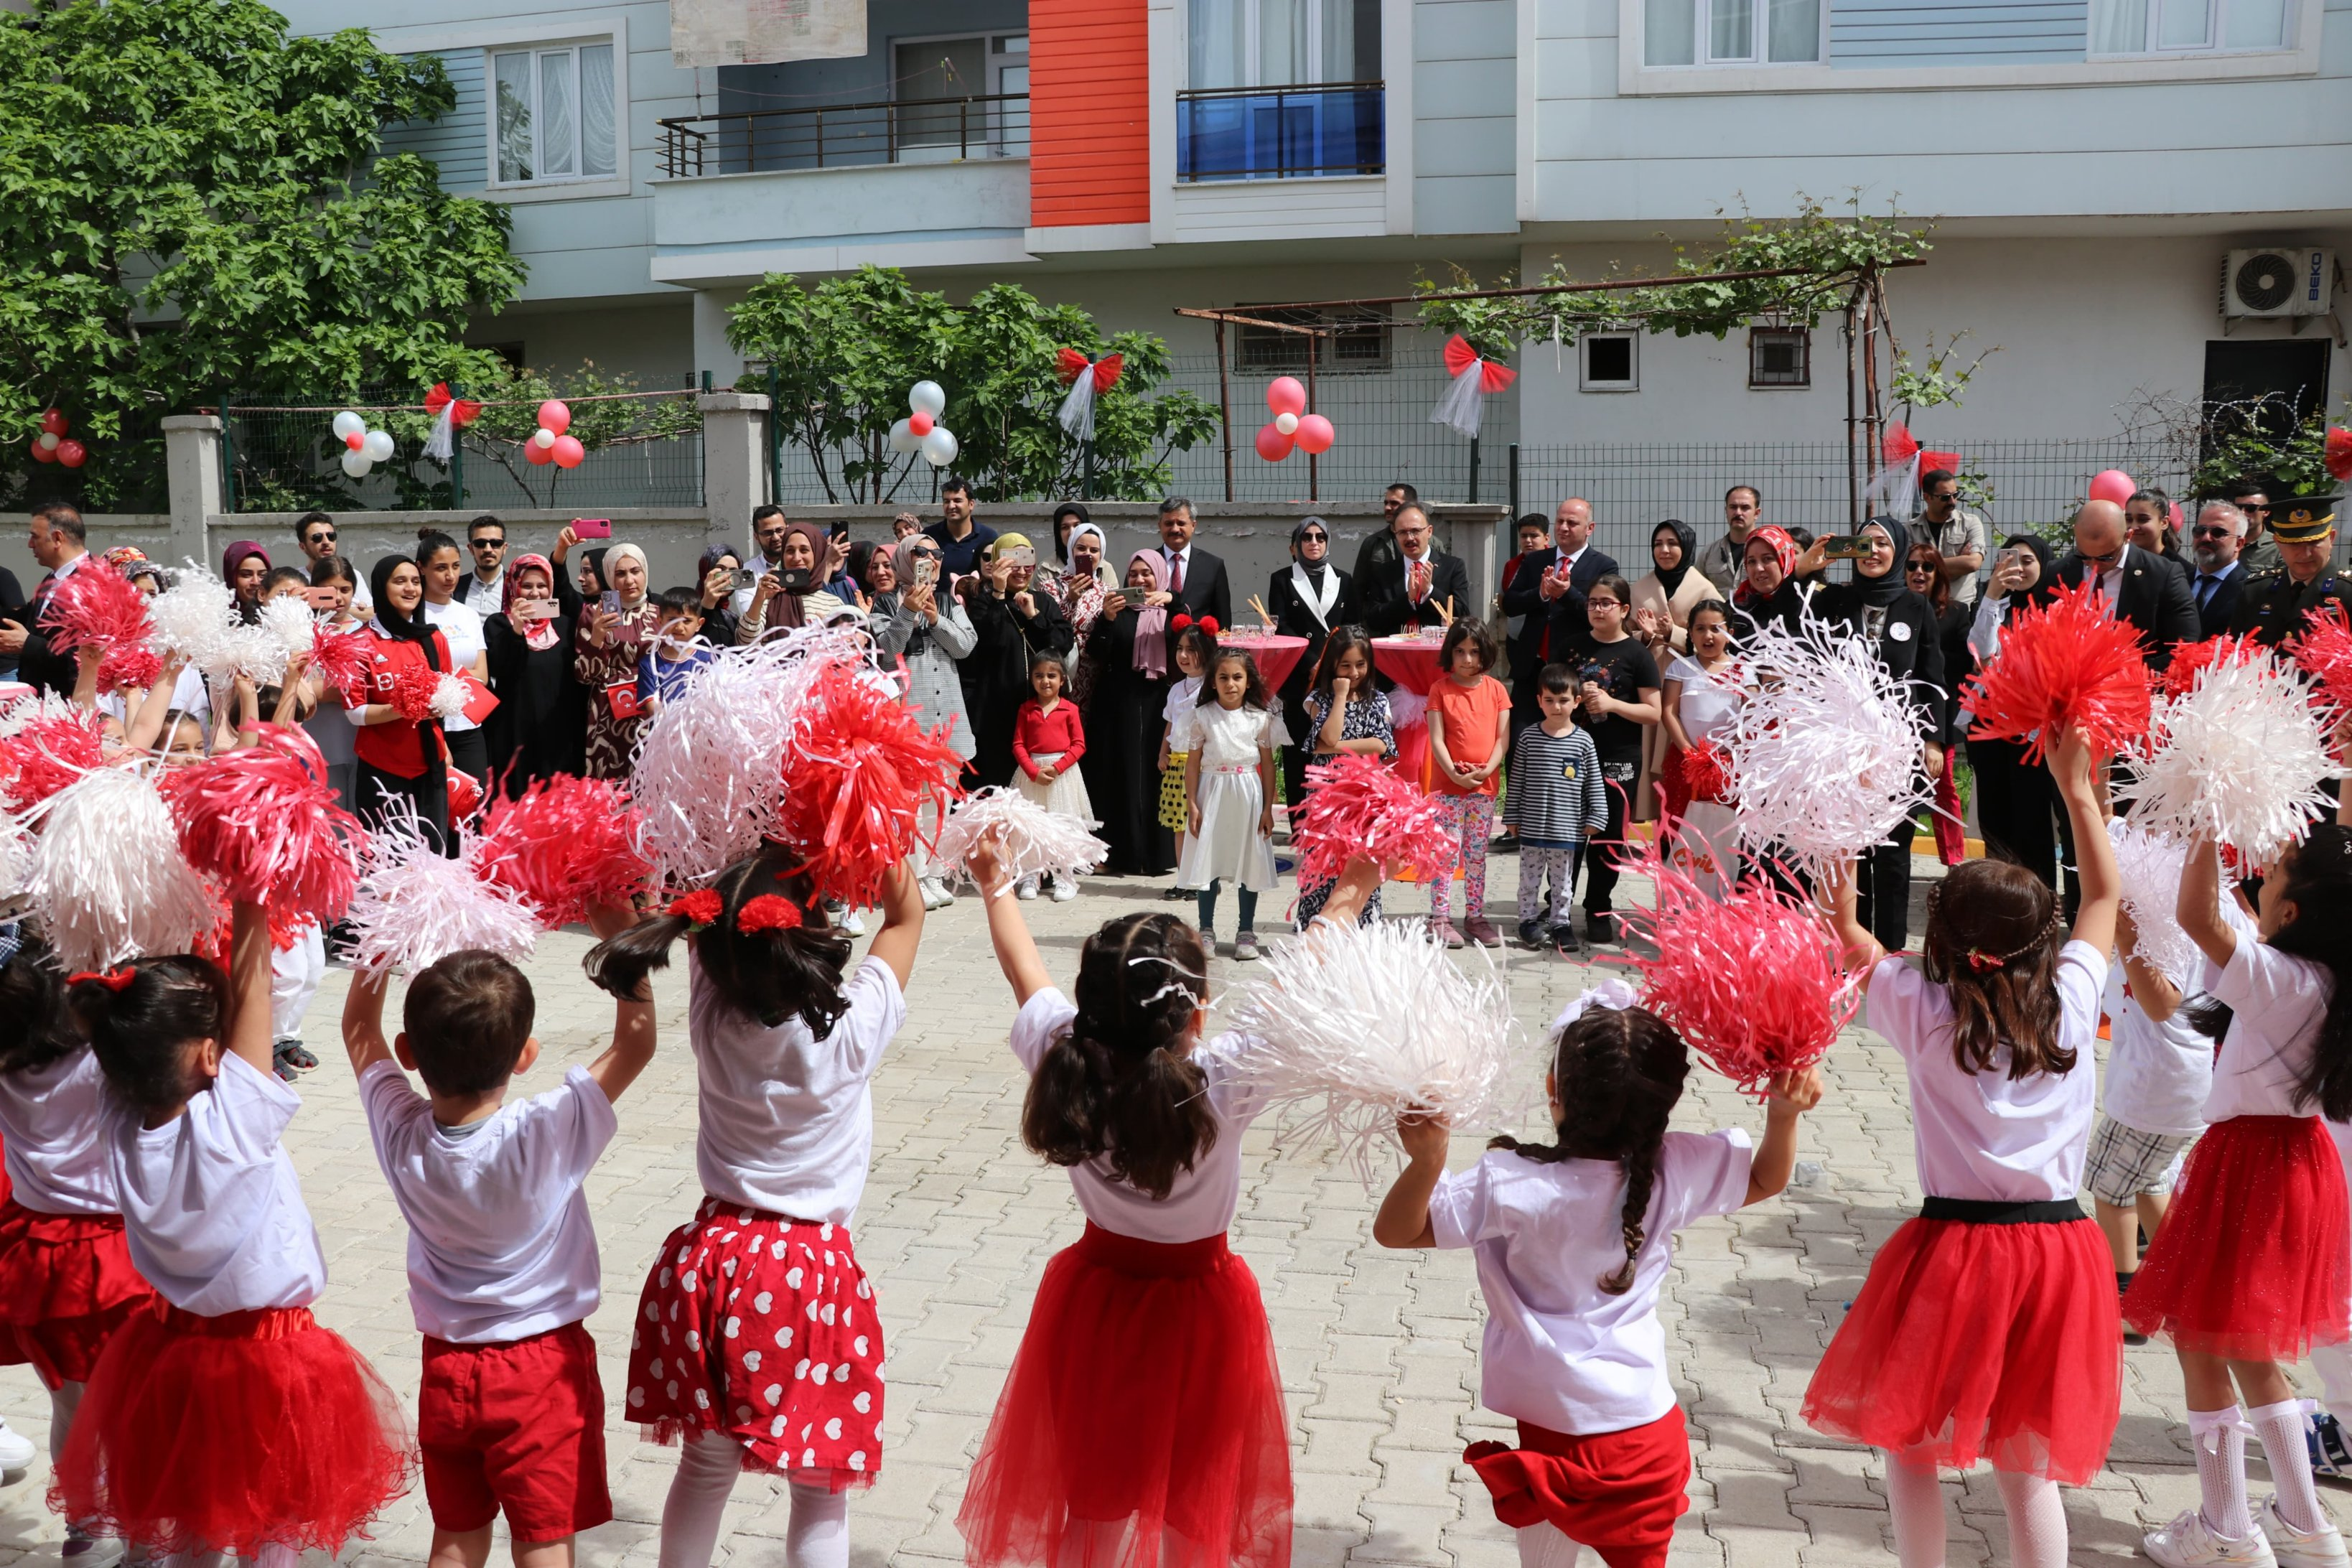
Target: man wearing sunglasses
(486, 590)
(2131, 584)
(315, 532)
(2259, 551)
(2274, 604)
(2214, 539)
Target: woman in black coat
(2017, 802)
(1308, 599)
(1126, 690)
(540, 728)
(1011, 622)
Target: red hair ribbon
(1980, 961)
(769, 911)
(697, 909)
(112, 979)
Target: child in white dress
(1229, 796)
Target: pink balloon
(555, 417)
(1314, 434)
(537, 454)
(1284, 395)
(72, 454)
(1273, 445)
(53, 422)
(2112, 485)
(918, 423)
(567, 452)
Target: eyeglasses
(1920, 568)
(2109, 559)
(489, 543)
(2212, 531)
(320, 535)
(1312, 537)
(1943, 495)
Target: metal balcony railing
(845, 135)
(1281, 132)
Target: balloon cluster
(548, 443)
(1292, 425)
(51, 445)
(921, 431)
(363, 448)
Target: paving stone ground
(1378, 1349)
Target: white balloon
(928, 397)
(49, 442)
(543, 438)
(903, 439)
(1287, 423)
(357, 463)
(939, 447)
(348, 425)
(379, 446)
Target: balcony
(1281, 132)
(845, 135)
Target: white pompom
(1353, 1026)
(2239, 762)
(196, 618)
(416, 906)
(288, 620)
(1030, 840)
(450, 694)
(17, 850)
(2149, 868)
(1825, 754)
(109, 881)
(39, 705)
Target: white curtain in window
(1281, 54)
(598, 142)
(1731, 30)
(2254, 25)
(1793, 30)
(1669, 33)
(1338, 40)
(2119, 26)
(557, 122)
(1219, 43)
(513, 74)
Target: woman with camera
(1010, 622)
(539, 726)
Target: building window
(1779, 356)
(1360, 344)
(1610, 361)
(2188, 27)
(1734, 32)
(1283, 43)
(555, 117)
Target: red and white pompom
(1704, 773)
(567, 845)
(196, 618)
(343, 656)
(109, 883)
(2063, 665)
(1030, 840)
(263, 822)
(1361, 809)
(416, 906)
(2241, 761)
(450, 695)
(1754, 982)
(2192, 659)
(858, 769)
(2323, 650)
(47, 754)
(99, 606)
(17, 852)
(413, 691)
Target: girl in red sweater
(1047, 741)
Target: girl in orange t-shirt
(1469, 736)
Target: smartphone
(1844, 547)
(797, 579)
(535, 609)
(591, 528)
(838, 530)
(320, 598)
(610, 604)
(746, 578)
(1021, 555)
(927, 570)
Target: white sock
(818, 1535)
(1546, 1546)
(2279, 1427)
(708, 1464)
(2037, 1520)
(64, 1400)
(2219, 1436)
(1915, 1498)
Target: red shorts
(517, 1425)
(1617, 1492)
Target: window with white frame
(2188, 27)
(555, 118)
(1609, 362)
(1779, 356)
(1731, 32)
(1283, 43)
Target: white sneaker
(2321, 1548)
(2190, 1542)
(934, 895)
(1028, 887)
(16, 1450)
(1064, 889)
(846, 919)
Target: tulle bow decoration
(1895, 490)
(112, 979)
(1086, 379)
(450, 414)
(1474, 377)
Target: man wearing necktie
(2214, 544)
(1414, 591)
(1197, 586)
(57, 542)
(2131, 584)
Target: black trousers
(2018, 808)
(469, 754)
(1882, 885)
(380, 793)
(1607, 851)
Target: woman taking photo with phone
(925, 632)
(1128, 651)
(401, 760)
(2018, 808)
(539, 726)
(789, 596)
(716, 573)
(1012, 621)
(611, 637)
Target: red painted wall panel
(1089, 112)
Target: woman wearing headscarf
(715, 572)
(1084, 587)
(591, 580)
(1662, 601)
(401, 759)
(787, 597)
(605, 651)
(1128, 651)
(1768, 592)
(924, 633)
(2018, 808)
(539, 726)
(244, 567)
(1308, 598)
(1011, 619)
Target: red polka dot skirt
(762, 1328)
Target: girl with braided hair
(1573, 1241)
(1988, 1326)
(1141, 1423)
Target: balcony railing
(845, 135)
(1281, 132)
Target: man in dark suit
(57, 542)
(1422, 588)
(1196, 579)
(2132, 585)
(2215, 540)
(1549, 588)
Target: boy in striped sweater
(1555, 803)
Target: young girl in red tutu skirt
(2254, 1266)
(757, 1345)
(1574, 1240)
(66, 1279)
(224, 1419)
(1141, 1425)
(1988, 1328)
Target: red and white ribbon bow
(449, 414)
(1474, 377)
(1086, 378)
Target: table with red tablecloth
(1276, 655)
(1411, 663)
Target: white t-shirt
(500, 1243)
(52, 1122)
(189, 695)
(2276, 1004)
(210, 1205)
(1225, 736)
(2158, 1074)
(1203, 1201)
(787, 1119)
(1559, 1350)
(1984, 1135)
(1709, 704)
(1184, 695)
(461, 628)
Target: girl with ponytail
(1574, 1238)
(757, 1345)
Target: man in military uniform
(2274, 604)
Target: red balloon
(533, 452)
(918, 423)
(1285, 395)
(568, 452)
(2114, 485)
(355, 440)
(42, 454)
(72, 454)
(54, 422)
(1273, 445)
(1314, 434)
(555, 415)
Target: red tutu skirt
(65, 1285)
(764, 1328)
(1142, 1423)
(1974, 1340)
(1617, 1492)
(2254, 1260)
(233, 1433)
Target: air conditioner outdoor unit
(2282, 281)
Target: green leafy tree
(191, 201)
(843, 354)
(2262, 439)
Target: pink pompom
(263, 822)
(1361, 809)
(2191, 659)
(413, 691)
(343, 656)
(46, 755)
(2062, 666)
(2324, 651)
(857, 769)
(128, 667)
(567, 845)
(1755, 983)
(95, 605)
